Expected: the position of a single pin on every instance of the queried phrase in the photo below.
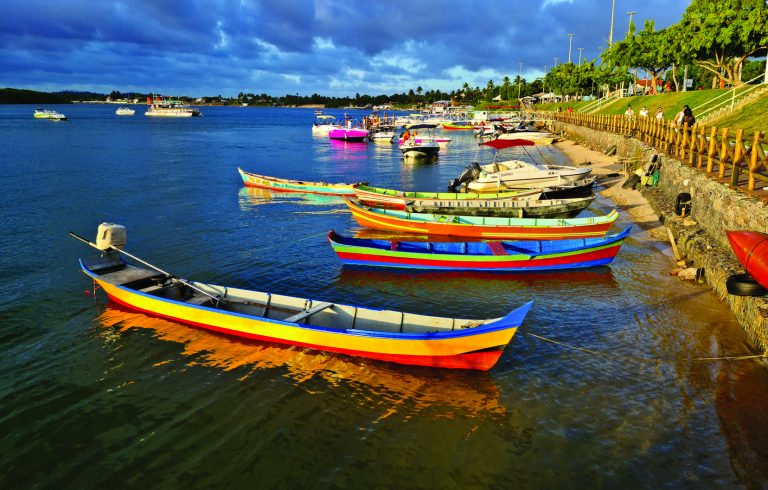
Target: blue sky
(278, 47)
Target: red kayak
(751, 248)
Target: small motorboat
(516, 174)
(323, 124)
(349, 131)
(48, 114)
(528, 255)
(386, 335)
(382, 133)
(125, 111)
(419, 145)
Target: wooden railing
(726, 153)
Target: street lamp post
(556, 60)
(629, 26)
(610, 35)
(570, 46)
(580, 50)
(519, 80)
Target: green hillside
(21, 96)
(753, 117)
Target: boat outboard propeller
(470, 173)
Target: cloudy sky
(278, 47)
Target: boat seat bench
(306, 313)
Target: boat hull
(478, 256)
(344, 134)
(286, 185)
(493, 228)
(751, 249)
(395, 199)
(550, 208)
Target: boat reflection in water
(441, 393)
(253, 196)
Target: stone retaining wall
(701, 238)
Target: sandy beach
(610, 175)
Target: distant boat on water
(167, 107)
(125, 111)
(52, 115)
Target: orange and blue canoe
(482, 227)
(386, 335)
(287, 185)
(520, 256)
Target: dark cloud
(286, 46)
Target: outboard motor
(470, 173)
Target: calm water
(94, 395)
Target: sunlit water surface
(93, 394)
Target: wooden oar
(216, 298)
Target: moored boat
(751, 249)
(537, 137)
(125, 111)
(516, 174)
(482, 227)
(288, 185)
(348, 134)
(49, 114)
(323, 124)
(519, 208)
(530, 255)
(386, 335)
(168, 107)
(415, 145)
(395, 199)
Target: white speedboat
(324, 124)
(166, 107)
(382, 134)
(52, 115)
(538, 137)
(418, 141)
(517, 174)
(125, 111)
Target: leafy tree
(722, 34)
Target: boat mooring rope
(646, 359)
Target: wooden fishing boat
(516, 208)
(482, 227)
(287, 185)
(751, 249)
(394, 336)
(394, 199)
(526, 256)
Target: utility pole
(610, 35)
(629, 26)
(556, 60)
(519, 80)
(580, 50)
(570, 46)
(634, 76)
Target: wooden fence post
(712, 149)
(737, 155)
(723, 152)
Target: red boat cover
(501, 144)
(751, 248)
